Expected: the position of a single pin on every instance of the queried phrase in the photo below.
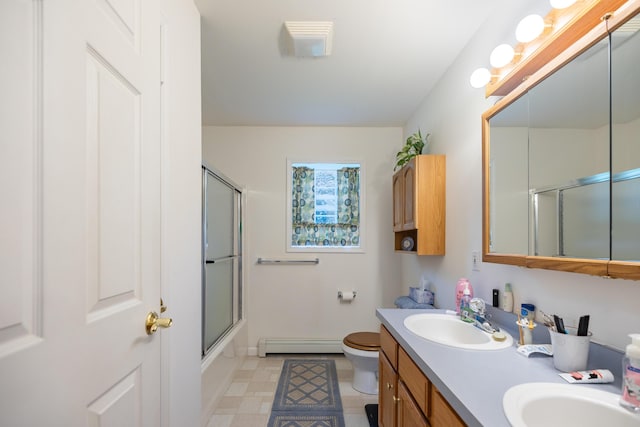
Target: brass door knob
(154, 322)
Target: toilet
(361, 348)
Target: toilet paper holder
(341, 296)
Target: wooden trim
(623, 270)
(574, 265)
(510, 259)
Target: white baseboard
(297, 345)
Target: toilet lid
(367, 341)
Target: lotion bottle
(507, 298)
(631, 375)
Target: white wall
(451, 113)
(301, 301)
(181, 141)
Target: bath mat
(307, 395)
(371, 410)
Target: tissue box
(422, 296)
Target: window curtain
(346, 232)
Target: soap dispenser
(463, 284)
(631, 375)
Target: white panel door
(80, 214)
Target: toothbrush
(520, 330)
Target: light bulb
(529, 28)
(561, 4)
(480, 77)
(501, 55)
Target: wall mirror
(561, 158)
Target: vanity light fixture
(501, 55)
(529, 28)
(559, 28)
(480, 78)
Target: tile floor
(247, 402)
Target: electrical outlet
(475, 261)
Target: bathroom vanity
(407, 397)
(423, 383)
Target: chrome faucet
(480, 318)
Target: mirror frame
(552, 54)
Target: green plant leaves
(413, 147)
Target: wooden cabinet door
(409, 415)
(408, 198)
(388, 384)
(443, 415)
(398, 201)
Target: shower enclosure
(221, 257)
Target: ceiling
(387, 55)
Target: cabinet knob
(389, 386)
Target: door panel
(119, 404)
(20, 188)
(113, 187)
(81, 175)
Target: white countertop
(473, 382)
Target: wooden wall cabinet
(406, 396)
(419, 204)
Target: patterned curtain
(349, 196)
(305, 231)
(303, 205)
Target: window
(325, 206)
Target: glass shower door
(221, 258)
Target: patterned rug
(307, 395)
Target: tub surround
(474, 382)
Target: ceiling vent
(309, 39)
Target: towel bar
(288, 261)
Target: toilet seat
(365, 341)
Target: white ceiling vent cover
(309, 39)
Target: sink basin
(550, 404)
(449, 330)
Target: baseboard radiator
(298, 345)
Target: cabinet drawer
(442, 414)
(389, 346)
(415, 380)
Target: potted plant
(413, 147)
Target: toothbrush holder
(570, 351)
